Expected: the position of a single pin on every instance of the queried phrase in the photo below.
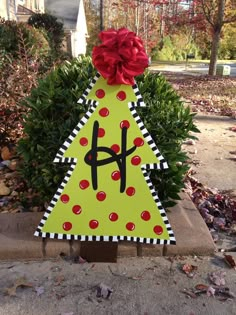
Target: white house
(20, 10)
(72, 15)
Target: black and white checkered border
(139, 101)
(55, 199)
(83, 238)
(159, 205)
(158, 166)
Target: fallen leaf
(225, 292)
(39, 290)
(189, 142)
(218, 278)
(21, 282)
(230, 261)
(210, 291)
(189, 293)
(59, 279)
(103, 291)
(201, 287)
(233, 128)
(189, 270)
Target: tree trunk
(214, 51)
(218, 24)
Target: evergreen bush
(52, 26)
(17, 36)
(54, 113)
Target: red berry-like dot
(104, 112)
(84, 184)
(138, 142)
(124, 123)
(100, 93)
(121, 96)
(67, 226)
(136, 160)
(115, 175)
(130, 191)
(130, 226)
(83, 141)
(158, 229)
(115, 148)
(93, 224)
(145, 215)
(101, 132)
(76, 209)
(113, 216)
(65, 198)
(101, 196)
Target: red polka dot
(121, 96)
(115, 148)
(136, 160)
(83, 141)
(93, 224)
(145, 215)
(113, 216)
(101, 132)
(130, 226)
(158, 229)
(130, 191)
(84, 184)
(100, 93)
(124, 123)
(104, 112)
(101, 196)
(115, 175)
(138, 142)
(65, 198)
(67, 226)
(76, 209)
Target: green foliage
(227, 46)
(18, 38)
(54, 114)
(52, 26)
(175, 48)
(170, 123)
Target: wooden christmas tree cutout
(107, 194)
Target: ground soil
(145, 286)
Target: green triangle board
(107, 193)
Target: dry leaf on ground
(189, 270)
(21, 282)
(103, 291)
(59, 279)
(218, 278)
(230, 261)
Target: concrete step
(192, 237)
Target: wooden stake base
(99, 251)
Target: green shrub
(18, 39)
(175, 48)
(52, 26)
(55, 112)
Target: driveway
(189, 68)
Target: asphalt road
(190, 68)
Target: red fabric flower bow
(120, 57)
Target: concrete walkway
(214, 160)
